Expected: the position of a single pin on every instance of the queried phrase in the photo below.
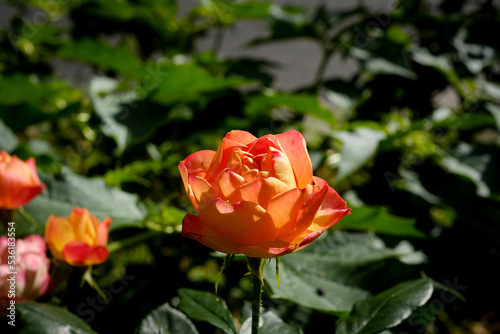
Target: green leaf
(270, 323)
(476, 57)
(8, 139)
(166, 319)
(45, 318)
(467, 162)
(108, 106)
(125, 118)
(251, 10)
(288, 22)
(119, 59)
(312, 291)
(338, 268)
(383, 66)
(357, 148)
(441, 63)
(494, 109)
(206, 306)
(377, 219)
(67, 190)
(386, 309)
(176, 83)
(25, 100)
(299, 103)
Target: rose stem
(257, 299)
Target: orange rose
(19, 182)
(257, 196)
(80, 239)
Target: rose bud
(79, 239)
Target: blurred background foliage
(411, 141)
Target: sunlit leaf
(49, 319)
(166, 319)
(334, 272)
(270, 323)
(357, 148)
(386, 309)
(205, 306)
(299, 103)
(8, 139)
(67, 190)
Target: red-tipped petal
(76, 252)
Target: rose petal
(33, 174)
(259, 191)
(267, 250)
(262, 145)
(75, 252)
(201, 159)
(103, 232)
(200, 190)
(78, 253)
(198, 160)
(221, 158)
(294, 145)
(278, 166)
(227, 182)
(16, 189)
(242, 137)
(194, 228)
(234, 162)
(330, 211)
(58, 232)
(251, 175)
(284, 209)
(84, 226)
(98, 255)
(25, 195)
(241, 222)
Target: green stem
(257, 299)
(30, 219)
(113, 246)
(87, 277)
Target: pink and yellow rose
(32, 279)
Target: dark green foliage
(410, 140)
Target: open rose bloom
(80, 239)
(257, 196)
(19, 182)
(32, 267)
